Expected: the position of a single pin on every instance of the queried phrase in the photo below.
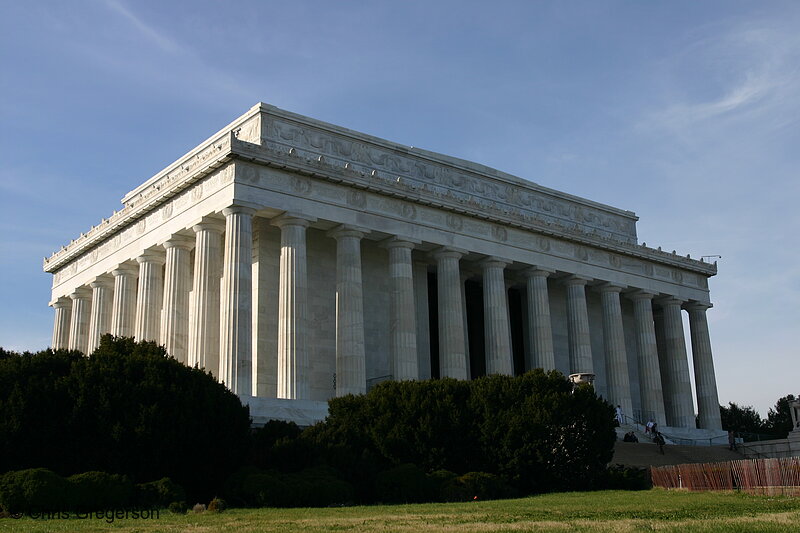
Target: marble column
(150, 296)
(100, 317)
(402, 310)
(123, 306)
(63, 308)
(650, 389)
(236, 296)
(293, 360)
(580, 346)
(452, 341)
(540, 352)
(496, 326)
(619, 388)
(463, 280)
(678, 401)
(704, 377)
(351, 371)
(79, 322)
(204, 322)
(177, 284)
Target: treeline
(131, 411)
(747, 421)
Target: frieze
(455, 184)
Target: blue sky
(687, 113)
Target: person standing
(619, 415)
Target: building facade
(297, 260)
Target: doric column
(402, 310)
(351, 371)
(100, 317)
(463, 278)
(79, 323)
(204, 322)
(619, 388)
(540, 330)
(580, 347)
(651, 391)
(293, 369)
(496, 327)
(123, 306)
(63, 308)
(704, 377)
(236, 295)
(452, 341)
(177, 284)
(678, 398)
(150, 295)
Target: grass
(653, 510)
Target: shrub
(217, 505)
(178, 507)
(129, 409)
(158, 493)
(95, 491)
(405, 484)
(476, 486)
(33, 490)
(313, 487)
(621, 477)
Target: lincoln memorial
(298, 260)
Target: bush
(313, 487)
(159, 493)
(217, 505)
(128, 409)
(405, 484)
(621, 477)
(96, 491)
(476, 486)
(533, 431)
(178, 507)
(33, 490)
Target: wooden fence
(762, 476)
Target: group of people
(650, 429)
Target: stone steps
(645, 453)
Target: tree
(128, 409)
(741, 419)
(779, 419)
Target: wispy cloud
(149, 32)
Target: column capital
(60, 302)
(209, 224)
(397, 241)
(81, 293)
(640, 295)
(494, 261)
(694, 305)
(151, 256)
(610, 287)
(240, 208)
(668, 300)
(102, 281)
(179, 241)
(534, 271)
(448, 251)
(123, 269)
(290, 218)
(574, 279)
(346, 230)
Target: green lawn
(654, 510)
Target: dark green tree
(741, 419)
(128, 409)
(779, 418)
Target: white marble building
(297, 260)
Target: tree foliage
(128, 409)
(779, 419)
(741, 419)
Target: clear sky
(686, 112)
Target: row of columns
(218, 334)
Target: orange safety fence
(763, 476)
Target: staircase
(645, 453)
